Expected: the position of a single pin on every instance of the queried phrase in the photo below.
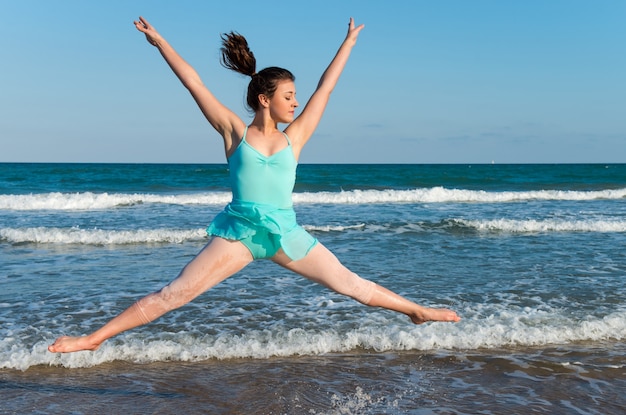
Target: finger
(145, 23)
(140, 27)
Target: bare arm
(301, 129)
(227, 123)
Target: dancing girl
(259, 222)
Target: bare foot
(67, 344)
(434, 314)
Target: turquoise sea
(533, 257)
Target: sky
(447, 81)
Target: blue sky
(536, 81)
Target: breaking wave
(99, 201)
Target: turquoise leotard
(261, 213)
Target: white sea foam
(96, 201)
(99, 236)
(505, 328)
(443, 195)
(74, 235)
(545, 225)
(333, 228)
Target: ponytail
(237, 56)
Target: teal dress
(261, 212)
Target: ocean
(532, 257)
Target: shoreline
(587, 377)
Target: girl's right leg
(322, 266)
(218, 260)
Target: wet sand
(577, 380)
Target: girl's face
(283, 104)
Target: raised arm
(227, 123)
(301, 129)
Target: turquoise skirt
(242, 220)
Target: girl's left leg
(323, 267)
(216, 262)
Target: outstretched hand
(146, 28)
(353, 32)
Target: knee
(363, 290)
(172, 298)
(152, 306)
(354, 286)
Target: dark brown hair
(237, 56)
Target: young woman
(260, 221)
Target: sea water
(532, 257)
